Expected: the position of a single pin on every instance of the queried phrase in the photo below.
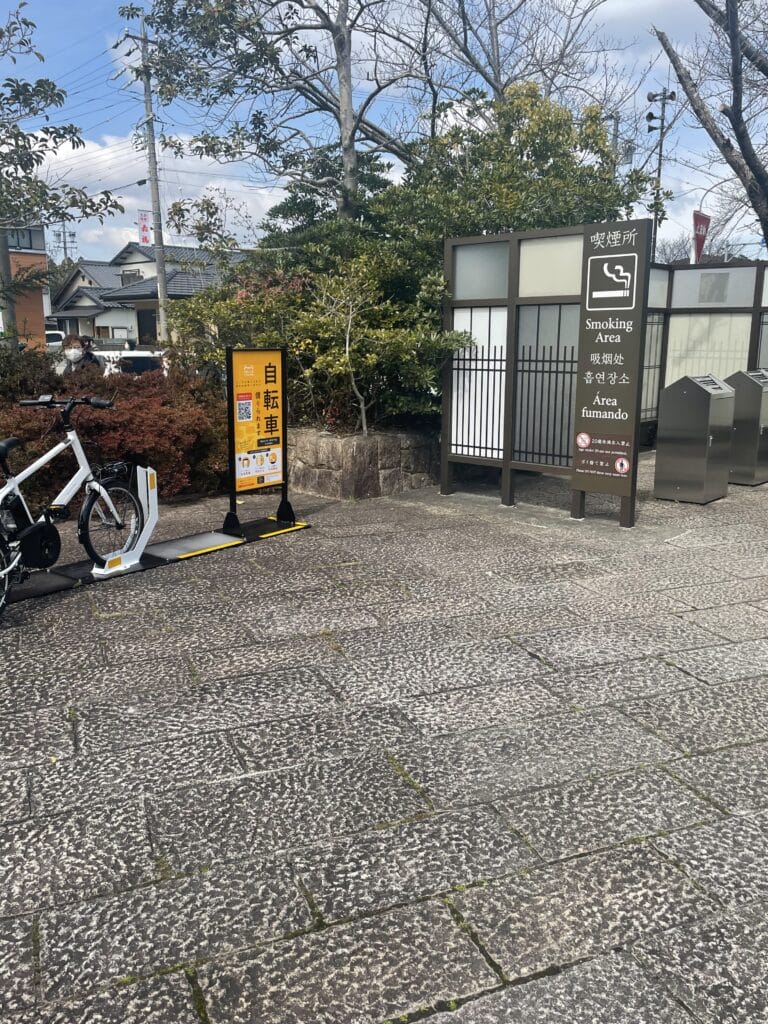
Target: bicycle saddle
(8, 445)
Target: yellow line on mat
(287, 529)
(216, 547)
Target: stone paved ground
(432, 759)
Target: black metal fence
(477, 402)
(546, 365)
(545, 368)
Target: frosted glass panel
(703, 287)
(478, 383)
(551, 266)
(762, 355)
(481, 271)
(657, 289)
(765, 291)
(702, 343)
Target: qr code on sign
(244, 411)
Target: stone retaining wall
(361, 467)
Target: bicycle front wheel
(101, 534)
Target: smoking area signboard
(611, 346)
(255, 385)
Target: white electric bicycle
(111, 516)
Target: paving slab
(719, 664)
(428, 634)
(430, 670)
(589, 606)
(118, 775)
(728, 858)
(61, 858)
(558, 915)
(715, 966)
(614, 641)
(240, 659)
(279, 810)
(46, 657)
(652, 580)
(215, 705)
(493, 764)
(706, 717)
(608, 990)
(731, 622)
(366, 972)
(616, 682)
(726, 593)
(335, 734)
(289, 616)
(734, 778)
(377, 870)
(14, 797)
(576, 818)
(156, 927)
(160, 1001)
(495, 705)
(33, 736)
(17, 977)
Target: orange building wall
(30, 317)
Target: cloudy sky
(108, 107)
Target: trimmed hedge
(177, 424)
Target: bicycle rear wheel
(100, 533)
(5, 581)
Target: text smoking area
(580, 348)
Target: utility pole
(665, 96)
(154, 191)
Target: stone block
(415, 457)
(714, 965)
(328, 451)
(391, 481)
(85, 947)
(304, 477)
(361, 973)
(328, 482)
(389, 451)
(17, 979)
(414, 481)
(607, 989)
(360, 469)
(558, 915)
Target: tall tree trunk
(342, 43)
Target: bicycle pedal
(60, 512)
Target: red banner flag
(701, 224)
(145, 218)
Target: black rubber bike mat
(66, 577)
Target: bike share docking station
(257, 460)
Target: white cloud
(113, 163)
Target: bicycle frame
(83, 477)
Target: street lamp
(662, 97)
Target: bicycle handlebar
(49, 402)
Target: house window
(130, 276)
(20, 238)
(102, 332)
